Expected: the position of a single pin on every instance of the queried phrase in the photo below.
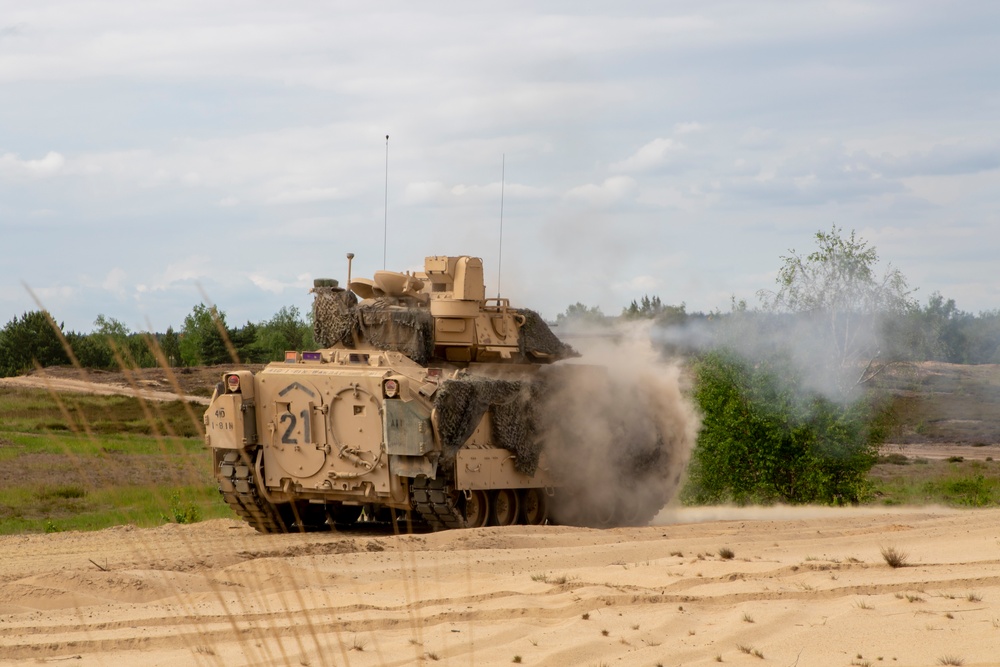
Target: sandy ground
(807, 586)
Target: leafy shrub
(182, 512)
(766, 438)
(970, 491)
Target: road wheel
(505, 508)
(477, 509)
(534, 507)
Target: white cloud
(9, 31)
(267, 284)
(437, 193)
(49, 165)
(688, 128)
(757, 137)
(189, 270)
(946, 159)
(612, 191)
(115, 281)
(305, 195)
(653, 154)
(645, 284)
(424, 193)
(55, 295)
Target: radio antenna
(385, 204)
(503, 167)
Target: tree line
(35, 339)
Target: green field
(953, 482)
(78, 462)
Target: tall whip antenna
(503, 168)
(385, 204)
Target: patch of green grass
(35, 410)
(977, 491)
(961, 484)
(142, 506)
(79, 444)
(65, 492)
(54, 479)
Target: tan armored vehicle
(428, 400)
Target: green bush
(974, 491)
(766, 438)
(182, 512)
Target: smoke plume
(618, 427)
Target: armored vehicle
(431, 403)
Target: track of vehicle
(236, 483)
(433, 503)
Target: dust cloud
(619, 427)
(823, 360)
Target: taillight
(390, 388)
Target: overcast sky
(154, 152)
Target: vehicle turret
(441, 314)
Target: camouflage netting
(337, 315)
(333, 316)
(537, 338)
(397, 329)
(515, 426)
(461, 404)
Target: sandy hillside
(806, 587)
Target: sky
(158, 155)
